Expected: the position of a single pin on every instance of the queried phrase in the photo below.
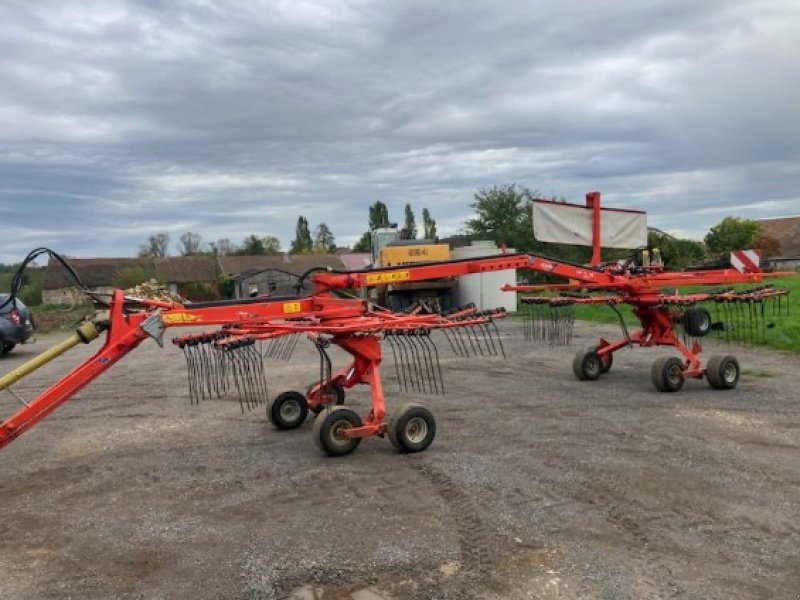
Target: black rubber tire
(6, 348)
(287, 410)
(696, 321)
(666, 374)
(606, 362)
(339, 397)
(723, 372)
(411, 428)
(587, 365)
(326, 426)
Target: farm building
(273, 275)
(786, 231)
(100, 274)
(194, 277)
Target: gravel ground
(537, 486)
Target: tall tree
(323, 240)
(378, 219)
(190, 244)
(378, 215)
(302, 244)
(223, 247)
(363, 244)
(252, 246)
(428, 225)
(410, 225)
(503, 215)
(155, 246)
(272, 245)
(732, 233)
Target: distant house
(184, 275)
(194, 277)
(100, 274)
(273, 275)
(786, 231)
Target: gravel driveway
(537, 486)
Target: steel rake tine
(416, 363)
(446, 334)
(389, 337)
(404, 361)
(419, 366)
(437, 364)
(430, 371)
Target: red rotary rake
(230, 359)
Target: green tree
(155, 246)
(428, 225)
(378, 219)
(676, 253)
(272, 245)
(251, 246)
(363, 244)
(503, 215)
(302, 244)
(732, 233)
(189, 244)
(410, 226)
(378, 215)
(323, 240)
(128, 277)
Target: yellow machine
(389, 250)
(420, 251)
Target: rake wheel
(606, 362)
(696, 321)
(328, 427)
(411, 428)
(587, 365)
(667, 374)
(723, 372)
(287, 410)
(336, 397)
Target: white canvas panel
(572, 224)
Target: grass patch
(782, 333)
(757, 373)
(50, 318)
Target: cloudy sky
(119, 119)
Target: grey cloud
(127, 117)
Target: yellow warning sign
(388, 277)
(180, 317)
(291, 307)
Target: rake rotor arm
(329, 280)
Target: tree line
(502, 214)
(192, 244)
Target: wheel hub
(416, 430)
(290, 410)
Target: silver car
(16, 324)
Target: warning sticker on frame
(179, 317)
(291, 307)
(388, 277)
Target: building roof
(355, 261)
(94, 272)
(186, 269)
(786, 231)
(103, 272)
(297, 264)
